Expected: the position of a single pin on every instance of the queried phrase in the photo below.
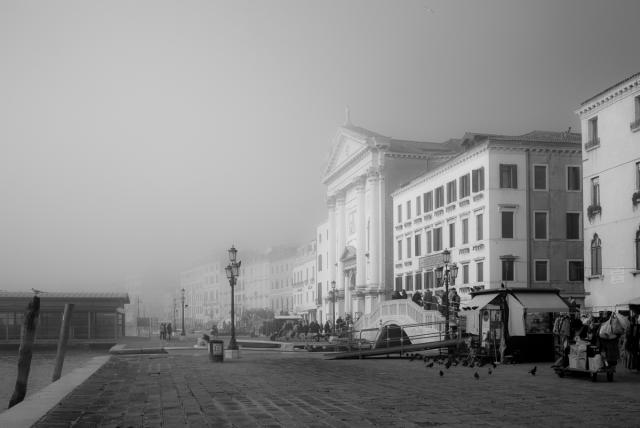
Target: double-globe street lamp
(446, 274)
(182, 295)
(333, 303)
(233, 271)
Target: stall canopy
(541, 302)
(478, 302)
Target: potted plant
(635, 198)
(592, 210)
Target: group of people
(303, 329)
(429, 301)
(166, 330)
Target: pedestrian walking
(169, 331)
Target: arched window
(596, 255)
(638, 249)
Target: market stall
(514, 322)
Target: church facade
(364, 168)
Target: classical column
(331, 250)
(340, 239)
(373, 184)
(361, 262)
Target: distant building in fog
(305, 301)
(323, 281)
(610, 123)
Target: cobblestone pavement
(302, 389)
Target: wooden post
(25, 353)
(62, 341)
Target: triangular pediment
(348, 145)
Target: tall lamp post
(182, 297)
(233, 271)
(445, 274)
(333, 303)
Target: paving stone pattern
(300, 389)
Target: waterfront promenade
(300, 389)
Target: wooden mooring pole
(25, 353)
(62, 341)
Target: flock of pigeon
(447, 362)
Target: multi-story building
(304, 282)
(507, 208)
(203, 291)
(281, 262)
(363, 169)
(610, 122)
(323, 285)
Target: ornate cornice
(610, 95)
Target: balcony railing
(635, 125)
(592, 144)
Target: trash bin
(216, 351)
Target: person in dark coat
(327, 328)
(417, 298)
(403, 294)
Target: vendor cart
(564, 371)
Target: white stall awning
(542, 302)
(478, 302)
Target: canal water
(41, 371)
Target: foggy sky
(140, 138)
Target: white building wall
(614, 161)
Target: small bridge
(403, 317)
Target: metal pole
(446, 302)
(333, 295)
(182, 332)
(232, 343)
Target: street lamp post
(333, 303)
(445, 274)
(233, 271)
(182, 295)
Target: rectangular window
(408, 248)
(574, 178)
(440, 197)
(409, 282)
(637, 104)
(418, 206)
(437, 239)
(465, 273)
(507, 224)
(541, 270)
(408, 210)
(398, 283)
(465, 231)
(428, 279)
(417, 243)
(508, 176)
(427, 201)
(637, 175)
(595, 191)
(539, 177)
(576, 270)
(540, 225)
(477, 180)
(465, 186)
(479, 227)
(451, 192)
(507, 270)
(573, 226)
(418, 280)
(399, 250)
(399, 217)
(452, 235)
(479, 272)
(593, 129)
(428, 239)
